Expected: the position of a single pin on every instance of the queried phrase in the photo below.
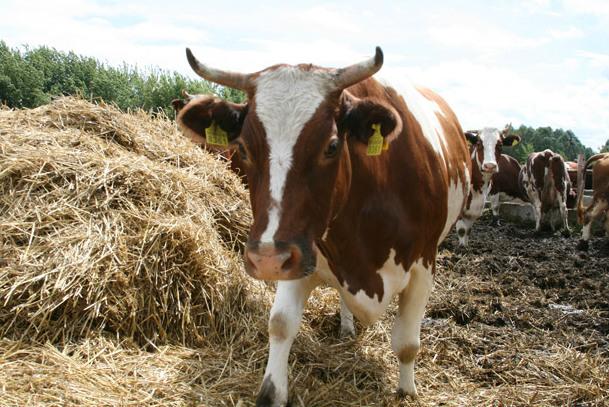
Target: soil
(536, 283)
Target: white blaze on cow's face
(286, 99)
(487, 151)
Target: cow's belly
(366, 309)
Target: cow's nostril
(292, 257)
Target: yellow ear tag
(215, 135)
(375, 143)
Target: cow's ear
(511, 140)
(472, 136)
(359, 118)
(196, 115)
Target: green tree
(32, 77)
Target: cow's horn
(231, 79)
(353, 74)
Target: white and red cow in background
(485, 152)
(505, 185)
(331, 208)
(600, 197)
(545, 180)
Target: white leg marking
(593, 211)
(405, 337)
(495, 199)
(586, 231)
(347, 328)
(284, 322)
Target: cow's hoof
(583, 245)
(347, 332)
(267, 396)
(402, 394)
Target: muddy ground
(530, 281)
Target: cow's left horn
(353, 74)
(226, 78)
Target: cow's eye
(332, 148)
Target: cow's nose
(489, 167)
(267, 262)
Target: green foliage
(560, 141)
(605, 148)
(31, 77)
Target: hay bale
(114, 222)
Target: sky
(531, 62)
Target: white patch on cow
(367, 309)
(407, 327)
(425, 112)
(457, 193)
(286, 99)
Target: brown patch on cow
(506, 180)
(278, 327)
(600, 187)
(408, 353)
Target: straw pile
(121, 284)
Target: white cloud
(568, 33)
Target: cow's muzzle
(489, 168)
(277, 261)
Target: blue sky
(533, 62)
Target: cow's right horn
(355, 73)
(231, 79)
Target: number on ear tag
(375, 143)
(215, 135)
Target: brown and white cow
(325, 211)
(546, 183)
(191, 124)
(505, 184)
(485, 152)
(600, 198)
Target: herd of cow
(545, 181)
(354, 184)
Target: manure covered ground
(121, 284)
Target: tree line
(563, 142)
(31, 77)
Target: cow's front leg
(347, 328)
(405, 338)
(284, 323)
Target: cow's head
(292, 136)
(486, 147)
